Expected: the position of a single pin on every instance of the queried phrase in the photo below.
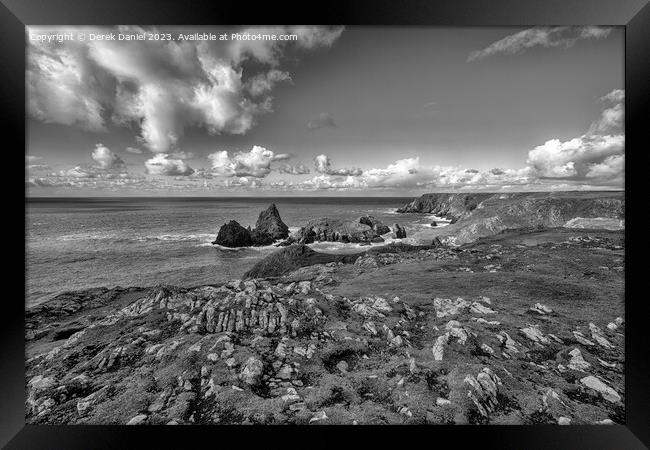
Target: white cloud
(597, 154)
(161, 164)
(323, 165)
(539, 37)
(163, 87)
(254, 163)
(323, 120)
(264, 82)
(135, 151)
(106, 158)
(298, 169)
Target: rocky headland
(477, 215)
(520, 327)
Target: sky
(350, 111)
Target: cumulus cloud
(539, 37)
(254, 163)
(298, 169)
(597, 154)
(134, 150)
(323, 165)
(323, 120)
(411, 173)
(161, 87)
(106, 159)
(161, 164)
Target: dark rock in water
(333, 230)
(399, 231)
(260, 238)
(269, 222)
(375, 224)
(377, 240)
(434, 224)
(292, 258)
(233, 235)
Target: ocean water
(81, 243)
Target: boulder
(399, 231)
(377, 225)
(269, 222)
(232, 234)
(434, 224)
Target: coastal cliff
(478, 215)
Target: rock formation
(476, 215)
(270, 223)
(374, 342)
(268, 229)
(334, 230)
(375, 224)
(232, 234)
(399, 231)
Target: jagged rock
(138, 420)
(448, 307)
(577, 362)
(607, 392)
(399, 231)
(375, 224)
(270, 223)
(534, 334)
(484, 391)
(477, 308)
(233, 235)
(598, 336)
(252, 371)
(582, 339)
(540, 309)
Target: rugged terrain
(521, 327)
(484, 214)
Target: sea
(80, 243)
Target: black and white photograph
(324, 225)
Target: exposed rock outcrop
(333, 230)
(268, 229)
(450, 206)
(375, 224)
(409, 338)
(476, 215)
(399, 231)
(232, 234)
(269, 222)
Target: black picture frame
(634, 15)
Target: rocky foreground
(522, 327)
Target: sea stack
(232, 234)
(269, 222)
(399, 231)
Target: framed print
(378, 219)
